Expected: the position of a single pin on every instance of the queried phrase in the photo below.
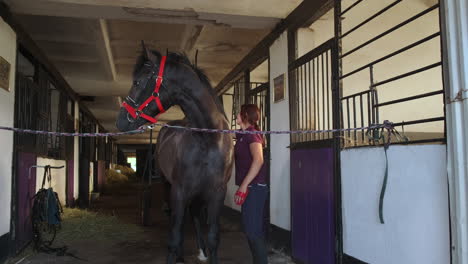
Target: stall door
(312, 205)
(26, 189)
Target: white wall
(7, 100)
(76, 152)
(280, 210)
(320, 31)
(59, 177)
(416, 228)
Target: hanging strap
(376, 135)
(46, 175)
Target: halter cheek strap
(138, 112)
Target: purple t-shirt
(243, 157)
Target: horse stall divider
(387, 69)
(312, 157)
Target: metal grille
(26, 94)
(375, 101)
(258, 95)
(238, 99)
(43, 111)
(311, 93)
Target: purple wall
(26, 189)
(312, 205)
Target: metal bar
(371, 18)
(362, 115)
(328, 94)
(411, 142)
(369, 113)
(296, 93)
(419, 141)
(311, 55)
(391, 30)
(356, 94)
(420, 121)
(260, 88)
(314, 80)
(351, 7)
(342, 121)
(371, 77)
(317, 113)
(323, 93)
(355, 118)
(349, 117)
(393, 54)
(408, 74)
(302, 101)
(52, 167)
(409, 98)
(336, 104)
(377, 113)
(307, 99)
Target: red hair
(251, 114)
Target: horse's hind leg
(195, 211)
(215, 203)
(178, 202)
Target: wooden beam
(109, 64)
(190, 37)
(302, 15)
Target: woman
(251, 179)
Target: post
(454, 26)
(336, 104)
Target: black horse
(198, 165)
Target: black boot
(259, 251)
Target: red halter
(138, 112)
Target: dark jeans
(252, 211)
(252, 220)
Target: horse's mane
(183, 59)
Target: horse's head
(148, 96)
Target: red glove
(240, 197)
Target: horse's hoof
(202, 257)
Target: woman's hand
(241, 195)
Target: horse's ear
(148, 54)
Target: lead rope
(376, 135)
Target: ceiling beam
(105, 50)
(189, 38)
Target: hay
(84, 225)
(87, 225)
(127, 171)
(113, 177)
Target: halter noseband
(138, 112)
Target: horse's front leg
(215, 203)
(176, 237)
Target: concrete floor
(150, 246)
